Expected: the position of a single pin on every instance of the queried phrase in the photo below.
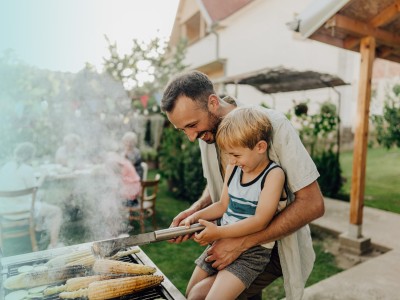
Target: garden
(46, 106)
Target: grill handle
(173, 232)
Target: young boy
(253, 192)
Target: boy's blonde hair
(244, 127)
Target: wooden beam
(391, 58)
(367, 51)
(384, 52)
(351, 42)
(361, 29)
(384, 17)
(327, 39)
(387, 15)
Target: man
(18, 174)
(193, 107)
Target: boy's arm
(215, 210)
(266, 209)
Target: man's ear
(213, 103)
(262, 146)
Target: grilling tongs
(107, 248)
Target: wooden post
(367, 51)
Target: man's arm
(308, 206)
(204, 201)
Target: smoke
(44, 107)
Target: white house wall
(257, 37)
(202, 52)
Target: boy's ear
(262, 146)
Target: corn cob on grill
(44, 277)
(112, 288)
(106, 266)
(64, 259)
(74, 284)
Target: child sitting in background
(122, 187)
(127, 179)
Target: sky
(61, 35)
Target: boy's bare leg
(200, 290)
(226, 286)
(196, 284)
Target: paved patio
(376, 278)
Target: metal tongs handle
(173, 232)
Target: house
(230, 39)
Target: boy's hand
(208, 234)
(188, 221)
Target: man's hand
(204, 201)
(224, 252)
(179, 221)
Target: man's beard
(214, 122)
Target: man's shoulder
(207, 149)
(203, 145)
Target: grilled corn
(74, 284)
(112, 288)
(64, 259)
(86, 261)
(106, 266)
(38, 278)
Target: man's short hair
(193, 84)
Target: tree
(24, 98)
(145, 72)
(146, 69)
(388, 124)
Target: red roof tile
(219, 10)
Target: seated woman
(127, 179)
(131, 152)
(124, 186)
(70, 154)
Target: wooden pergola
(372, 28)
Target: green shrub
(318, 133)
(387, 125)
(328, 167)
(180, 162)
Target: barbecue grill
(10, 265)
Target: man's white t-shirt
(296, 252)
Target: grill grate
(158, 292)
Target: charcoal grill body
(9, 267)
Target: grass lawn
(177, 261)
(382, 181)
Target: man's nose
(191, 135)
